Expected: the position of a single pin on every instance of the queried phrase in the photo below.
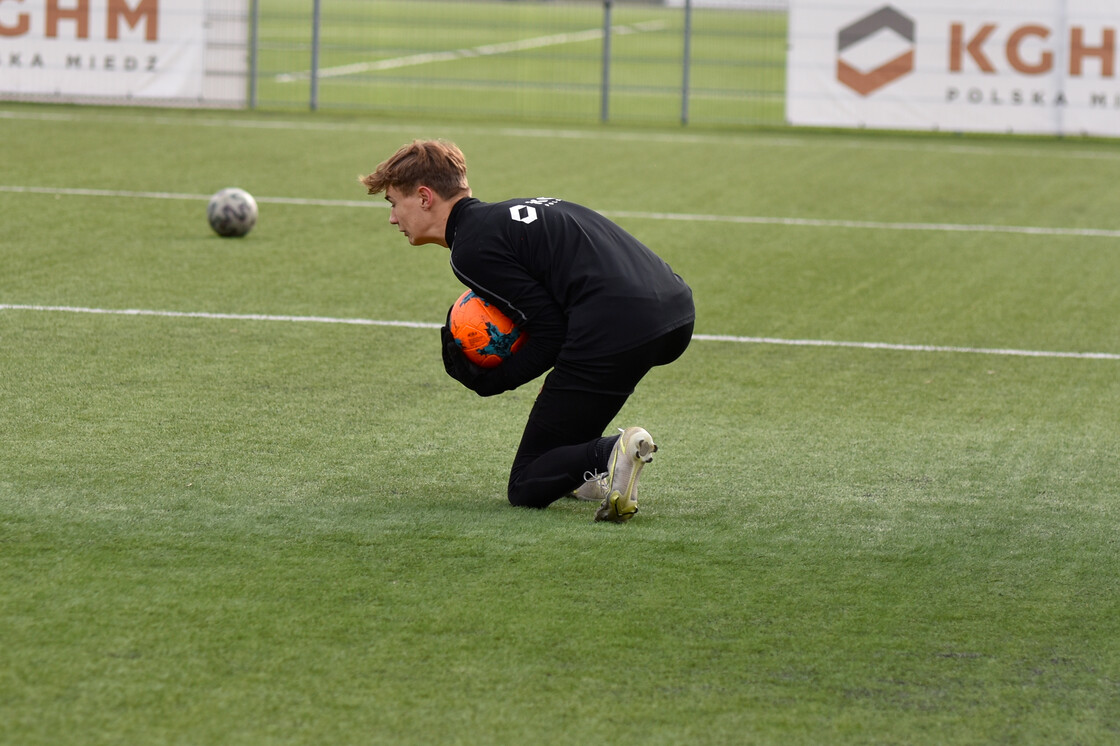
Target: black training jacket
(578, 285)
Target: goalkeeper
(600, 310)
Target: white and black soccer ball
(232, 212)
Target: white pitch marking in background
(80, 192)
(854, 142)
(869, 224)
(698, 337)
(485, 50)
(680, 217)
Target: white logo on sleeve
(526, 213)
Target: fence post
(316, 13)
(604, 105)
(254, 45)
(687, 64)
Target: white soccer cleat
(633, 450)
(592, 490)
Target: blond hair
(437, 164)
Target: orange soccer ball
(484, 334)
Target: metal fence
(693, 61)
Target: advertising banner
(1031, 66)
(126, 50)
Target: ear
(427, 197)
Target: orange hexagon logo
(866, 39)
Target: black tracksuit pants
(563, 439)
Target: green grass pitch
(238, 528)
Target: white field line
(868, 224)
(412, 130)
(484, 50)
(79, 192)
(219, 316)
(670, 216)
(698, 337)
(906, 348)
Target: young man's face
(413, 216)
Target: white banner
(1038, 66)
(126, 50)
